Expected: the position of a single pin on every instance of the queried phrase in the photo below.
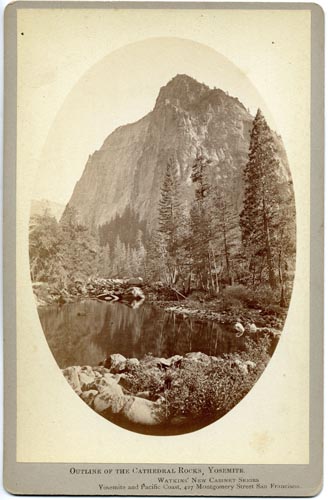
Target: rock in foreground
(168, 395)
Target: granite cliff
(188, 118)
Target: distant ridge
(39, 207)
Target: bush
(264, 297)
(204, 388)
(235, 298)
(238, 292)
(211, 390)
(143, 378)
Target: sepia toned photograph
(163, 280)
(163, 257)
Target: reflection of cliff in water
(85, 333)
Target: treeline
(209, 244)
(126, 227)
(62, 252)
(205, 245)
(66, 251)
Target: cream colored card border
(58, 436)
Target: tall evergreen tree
(200, 221)
(169, 219)
(170, 206)
(119, 258)
(263, 196)
(286, 248)
(225, 224)
(139, 255)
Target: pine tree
(200, 178)
(169, 220)
(286, 248)
(79, 247)
(170, 206)
(226, 231)
(119, 258)
(153, 263)
(139, 254)
(200, 221)
(261, 214)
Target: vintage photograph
(163, 258)
(164, 270)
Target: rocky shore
(226, 317)
(99, 288)
(167, 395)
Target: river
(86, 332)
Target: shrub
(238, 292)
(215, 388)
(264, 297)
(205, 388)
(145, 378)
(235, 298)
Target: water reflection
(85, 333)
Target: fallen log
(177, 292)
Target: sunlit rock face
(188, 118)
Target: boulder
(239, 329)
(87, 381)
(132, 293)
(89, 396)
(153, 362)
(72, 376)
(164, 363)
(107, 380)
(101, 369)
(131, 364)
(273, 332)
(141, 411)
(175, 360)
(251, 328)
(111, 398)
(242, 366)
(197, 356)
(88, 370)
(143, 394)
(115, 363)
(125, 382)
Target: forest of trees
(212, 245)
(66, 251)
(205, 245)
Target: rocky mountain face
(188, 118)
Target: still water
(85, 333)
